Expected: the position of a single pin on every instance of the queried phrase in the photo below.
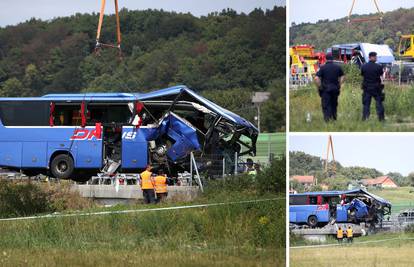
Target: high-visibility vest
(349, 232)
(146, 180)
(340, 233)
(161, 184)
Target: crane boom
(118, 28)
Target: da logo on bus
(129, 135)
(85, 134)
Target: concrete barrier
(108, 194)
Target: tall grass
(248, 234)
(399, 110)
(248, 230)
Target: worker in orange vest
(340, 235)
(147, 184)
(161, 186)
(349, 235)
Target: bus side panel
(11, 154)
(53, 147)
(89, 154)
(292, 217)
(34, 155)
(301, 213)
(341, 214)
(134, 149)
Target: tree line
(225, 56)
(301, 163)
(325, 33)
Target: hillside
(234, 53)
(325, 33)
(301, 163)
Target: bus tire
(312, 221)
(62, 166)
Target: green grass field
(379, 254)
(268, 143)
(237, 234)
(399, 110)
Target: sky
(335, 9)
(386, 153)
(13, 12)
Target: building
(380, 182)
(306, 180)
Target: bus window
(297, 200)
(67, 114)
(109, 113)
(313, 200)
(24, 113)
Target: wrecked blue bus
(353, 206)
(74, 136)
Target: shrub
(25, 199)
(22, 199)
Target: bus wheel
(312, 221)
(62, 166)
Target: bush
(25, 199)
(22, 199)
(272, 179)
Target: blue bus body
(32, 148)
(321, 207)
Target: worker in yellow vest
(340, 235)
(161, 186)
(349, 235)
(147, 184)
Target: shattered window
(107, 113)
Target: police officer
(329, 79)
(372, 87)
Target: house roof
(375, 181)
(304, 179)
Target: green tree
(12, 88)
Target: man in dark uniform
(329, 79)
(373, 87)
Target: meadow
(238, 234)
(399, 110)
(235, 235)
(395, 252)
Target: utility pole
(258, 99)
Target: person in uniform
(349, 235)
(372, 87)
(161, 182)
(329, 79)
(339, 235)
(147, 184)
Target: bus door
(85, 141)
(134, 148)
(88, 145)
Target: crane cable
(380, 17)
(100, 45)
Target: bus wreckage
(329, 207)
(74, 136)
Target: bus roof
(167, 94)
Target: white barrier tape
(136, 211)
(356, 243)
